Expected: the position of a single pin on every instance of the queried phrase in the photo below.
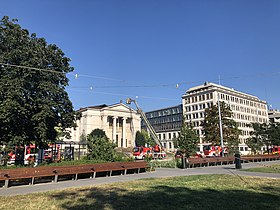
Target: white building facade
(119, 122)
(245, 108)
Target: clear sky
(143, 48)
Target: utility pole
(220, 122)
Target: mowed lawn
(266, 169)
(189, 192)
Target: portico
(119, 122)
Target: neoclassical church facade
(119, 122)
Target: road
(159, 173)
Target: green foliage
(100, 147)
(274, 133)
(139, 139)
(99, 133)
(165, 164)
(32, 102)
(258, 137)
(264, 135)
(121, 157)
(229, 127)
(187, 140)
(143, 138)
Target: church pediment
(120, 107)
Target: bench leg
(6, 183)
(55, 178)
(138, 170)
(110, 173)
(32, 180)
(76, 177)
(125, 171)
(94, 175)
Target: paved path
(160, 172)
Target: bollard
(183, 162)
(237, 161)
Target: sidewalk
(159, 173)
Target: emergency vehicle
(212, 151)
(141, 152)
(274, 150)
(154, 152)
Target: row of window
(169, 126)
(198, 115)
(241, 101)
(164, 136)
(199, 106)
(225, 97)
(249, 118)
(248, 110)
(165, 112)
(203, 97)
(167, 119)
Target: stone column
(124, 132)
(114, 129)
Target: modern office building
(274, 116)
(119, 122)
(246, 109)
(167, 123)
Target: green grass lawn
(264, 169)
(189, 192)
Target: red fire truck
(212, 151)
(154, 152)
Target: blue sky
(143, 48)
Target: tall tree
(139, 139)
(33, 101)
(143, 138)
(187, 140)
(258, 137)
(274, 133)
(229, 127)
(99, 146)
(264, 135)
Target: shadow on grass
(166, 197)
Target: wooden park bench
(7, 175)
(259, 158)
(193, 162)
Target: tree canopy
(99, 146)
(33, 100)
(229, 127)
(143, 138)
(187, 140)
(264, 135)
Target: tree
(99, 146)
(99, 133)
(229, 127)
(274, 133)
(257, 138)
(187, 140)
(33, 100)
(264, 135)
(143, 138)
(139, 139)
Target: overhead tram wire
(170, 85)
(126, 95)
(32, 68)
